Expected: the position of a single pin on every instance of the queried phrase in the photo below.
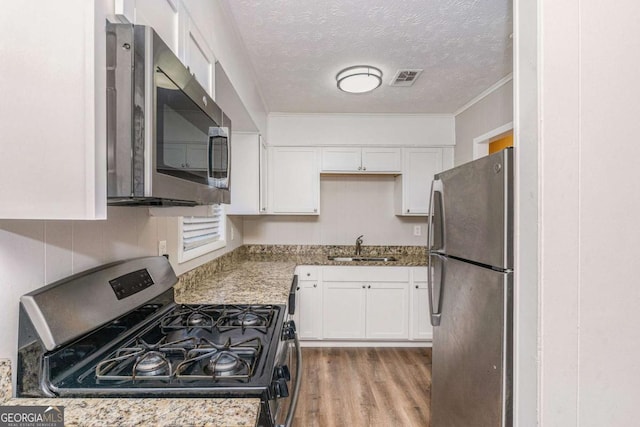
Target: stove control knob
(289, 331)
(282, 372)
(279, 388)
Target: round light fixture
(359, 79)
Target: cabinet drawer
(365, 274)
(420, 274)
(307, 272)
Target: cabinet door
(341, 159)
(343, 312)
(420, 326)
(162, 15)
(294, 181)
(387, 311)
(196, 54)
(245, 174)
(264, 173)
(420, 164)
(309, 310)
(381, 159)
(53, 121)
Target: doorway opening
(493, 141)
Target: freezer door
(473, 211)
(472, 346)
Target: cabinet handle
(308, 274)
(315, 285)
(364, 168)
(417, 287)
(264, 209)
(408, 210)
(363, 286)
(359, 168)
(369, 287)
(315, 210)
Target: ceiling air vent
(405, 77)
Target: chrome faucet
(359, 245)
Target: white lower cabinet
(420, 325)
(366, 303)
(308, 315)
(387, 308)
(362, 303)
(344, 310)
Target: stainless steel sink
(361, 258)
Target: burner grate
(145, 361)
(228, 361)
(251, 317)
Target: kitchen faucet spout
(359, 245)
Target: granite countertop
(140, 412)
(262, 274)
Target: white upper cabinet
(361, 160)
(294, 181)
(171, 20)
(53, 125)
(248, 174)
(413, 186)
(196, 54)
(162, 15)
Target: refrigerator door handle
(430, 221)
(435, 238)
(434, 312)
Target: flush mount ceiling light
(359, 79)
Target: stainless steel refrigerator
(471, 293)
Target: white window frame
(189, 254)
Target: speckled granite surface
(141, 412)
(246, 282)
(5, 380)
(262, 274)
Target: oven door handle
(296, 386)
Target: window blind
(202, 234)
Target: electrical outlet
(417, 230)
(162, 247)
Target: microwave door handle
(210, 159)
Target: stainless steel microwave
(167, 140)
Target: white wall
(356, 205)
(35, 253)
(350, 206)
(490, 112)
(360, 129)
(589, 370)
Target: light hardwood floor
(364, 387)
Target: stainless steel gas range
(115, 331)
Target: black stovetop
(172, 350)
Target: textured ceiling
(298, 46)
